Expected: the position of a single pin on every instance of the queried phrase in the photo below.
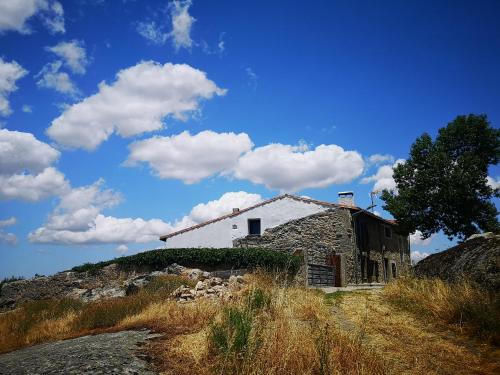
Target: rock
(476, 260)
(240, 279)
(200, 285)
(175, 269)
(109, 282)
(194, 274)
(481, 235)
(77, 293)
(98, 293)
(215, 281)
(108, 353)
(219, 288)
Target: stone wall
(376, 245)
(316, 237)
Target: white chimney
(236, 210)
(346, 198)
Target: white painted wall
(222, 234)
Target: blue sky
(122, 120)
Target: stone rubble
(212, 287)
(109, 282)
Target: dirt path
(108, 353)
(410, 345)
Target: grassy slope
(411, 342)
(271, 329)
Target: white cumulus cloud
(73, 54)
(137, 102)
(417, 256)
(8, 238)
(223, 206)
(494, 183)
(25, 168)
(122, 249)
(182, 22)
(78, 220)
(33, 188)
(416, 239)
(383, 178)
(52, 78)
(153, 32)
(293, 168)
(10, 72)
(14, 15)
(378, 159)
(53, 18)
(190, 158)
(8, 222)
(20, 151)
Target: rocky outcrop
(108, 282)
(477, 260)
(107, 353)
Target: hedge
(230, 258)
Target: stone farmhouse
(341, 243)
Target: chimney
(346, 198)
(236, 210)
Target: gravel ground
(108, 353)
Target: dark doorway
(386, 269)
(335, 262)
(254, 227)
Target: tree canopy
(443, 183)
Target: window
(235, 226)
(388, 232)
(254, 227)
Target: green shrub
(212, 258)
(258, 299)
(231, 336)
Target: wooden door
(335, 262)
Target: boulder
(476, 260)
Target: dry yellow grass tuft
(465, 306)
(410, 343)
(170, 316)
(270, 329)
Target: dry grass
(466, 307)
(269, 329)
(48, 320)
(411, 343)
(273, 328)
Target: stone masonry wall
(316, 237)
(376, 245)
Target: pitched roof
(291, 196)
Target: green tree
(443, 184)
